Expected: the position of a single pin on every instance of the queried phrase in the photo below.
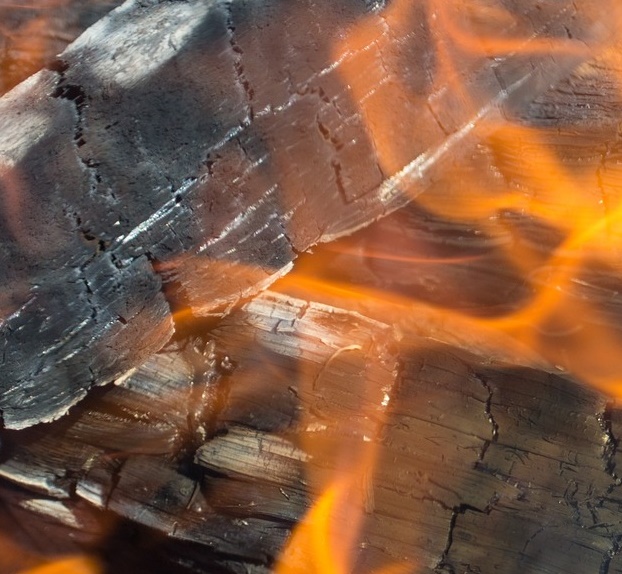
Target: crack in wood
(615, 549)
(491, 419)
(610, 446)
(238, 65)
(443, 564)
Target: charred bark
(182, 154)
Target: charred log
(445, 252)
(206, 456)
(182, 154)
(479, 465)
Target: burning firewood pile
(310, 286)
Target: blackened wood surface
(477, 465)
(204, 459)
(182, 153)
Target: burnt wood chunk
(458, 462)
(180, 154)
(164, 450)
(177, 158)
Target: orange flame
(404, 118)
(311, 549)
(320, 545)
(559, 322)
(536, 185)
(68, 565)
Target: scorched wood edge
(183, 153)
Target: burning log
(301, 414)
(449, 461)
(187, 154)
(531, 255)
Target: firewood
(153, 424)
(466, 268)
(476, 464)
(207, 455)
(179, 155)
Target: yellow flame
(320, 543)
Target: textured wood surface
(462, 453)
(187, 153)
(465, 266)
(476, 464)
